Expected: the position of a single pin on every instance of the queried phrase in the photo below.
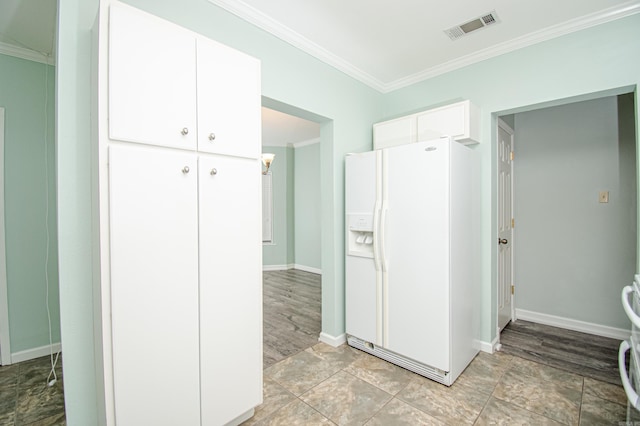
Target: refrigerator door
(363, 284)
(415, 245)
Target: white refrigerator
(412, 256)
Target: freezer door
(363, 285)
(415, 240)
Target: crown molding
(259, 19)
(574, 25)
(28, 54)
(305, 143)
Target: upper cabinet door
(152, 80)
(228, 101)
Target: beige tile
(498, 412)
(382, 374)
(301, 372)
(483, 373)
(341, 357)
(398, 413)
(345, 399)
(546, 373)
(457, 404)
(540, 396)
(598, 411)
(613, 393)
(296, 413)
(274, 398)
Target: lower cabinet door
(230, 287)
(153, 220)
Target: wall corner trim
(334, 341)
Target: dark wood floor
(292, 313)
(580, 353)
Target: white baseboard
(269, 268)
(34, 353)
(334, 341)
(488, 347)
(308, 269)
(277, 267)
(571, 324)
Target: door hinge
(513, 289)
(512, 155)
(513, 223)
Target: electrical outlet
(603, 197)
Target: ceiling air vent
(473, 25)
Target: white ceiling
(280, 129)
(27, 29)
(392, 44)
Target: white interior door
(153, 219)
(505, 224)
(5, 348)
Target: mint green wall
(23, 92)
(572, 253)
(280, 252)
(82, 363)
(296, 208)
(307, 206)
(599, 59)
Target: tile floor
(344, 386)
(25, 398)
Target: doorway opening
(574, 228)
(292, 254)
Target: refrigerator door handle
(376, 236)
(382, 240)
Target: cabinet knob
(212, 136)
(214, 172)
(185, 169)
(184, 131)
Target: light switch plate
(603, 197)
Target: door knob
(214, 172)
(212, 136)
(184, 131)
(185, 169)
(502, 241)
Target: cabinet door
(228, 101)
(153, 219)
(230, 287)
(446, 121)
(152, 80)
(394, 132)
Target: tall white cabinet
(178, 218)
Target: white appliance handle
(635, 319)
(624, 375)
(376, 236)
(383, 233)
